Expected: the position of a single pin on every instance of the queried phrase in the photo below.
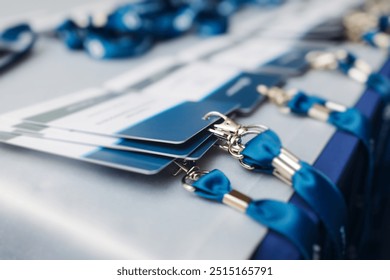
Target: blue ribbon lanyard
(353, 67)
(283, 218)
(15, 43)
(349, 120)
(132, 29)
(264, 153)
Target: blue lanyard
(283, 218)
(264, 153)
(349, 120)
(15, 43)
(132, 29)
(350, 64)
(353, 67)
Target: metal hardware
(359, 71)
(285, 164)
(192, 174)
(322, 60)
(381, 40)
(231, 134)
(281, 97)
(234, 199)
(277, 95)
(319, 112)
(237, 200)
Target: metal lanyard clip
(281, 97)
(277, 95)
(231, 133)
(285, 164)
(355, 68)
(234, 199)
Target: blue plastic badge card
(130, 161)
(142, 163)
(58, 134)
(141, 116)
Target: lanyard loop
(283, 218)
(264, 153)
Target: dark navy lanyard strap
(264, 153)
(283, 218)
(384, 23)
(15, 43)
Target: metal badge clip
(192, 174)
(277, 95)
(322, 60)
(359, 70)
(231, 133)
(280, 97)
(234, 199)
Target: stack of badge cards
(141, 122)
